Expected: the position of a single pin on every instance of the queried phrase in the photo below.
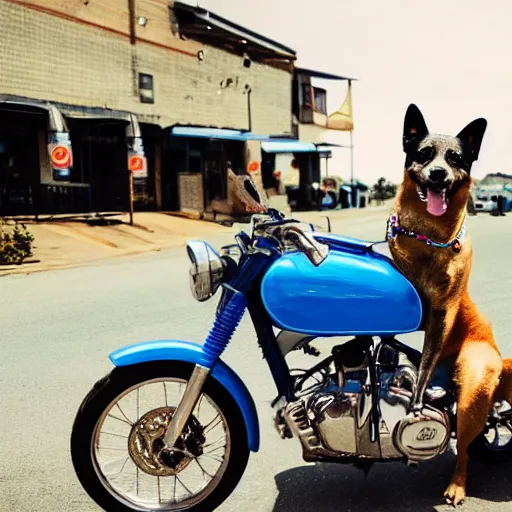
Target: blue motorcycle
(172, 426)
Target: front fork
(217, 340)
(186, 405)
(229, 315)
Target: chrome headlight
(206, 271)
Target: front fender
(177, 350)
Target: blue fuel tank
(350, 293)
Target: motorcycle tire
(481, 451)
(112, 386)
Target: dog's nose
(437, 175)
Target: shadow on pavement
(389, 487)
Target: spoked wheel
(494, 445)
(119, 455)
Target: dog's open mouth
(437, 200)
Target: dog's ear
(471, 138)
(415, 128)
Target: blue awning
(215, 133)
(288, 146)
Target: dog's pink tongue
(436, 202)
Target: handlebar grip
(314, 250)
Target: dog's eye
(453, 158)
(425, 155)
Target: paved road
(58, 327)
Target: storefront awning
(288, 146)
(56, 122)
(293, 146)
(98, 114)
(215, 133)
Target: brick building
(110, 74)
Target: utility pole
(130, 174)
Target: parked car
(487, 198)
(485, 204)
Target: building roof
(205, 26)
(321, 74)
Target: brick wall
(48, 57)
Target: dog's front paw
(455, 494)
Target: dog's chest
(433, 271)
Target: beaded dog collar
(394, 229)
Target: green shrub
(15, 244)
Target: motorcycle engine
(361, 411)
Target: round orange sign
(136, 163)
(253, 166)
(61, 157)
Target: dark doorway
(215, 179)
(268, 165)
(20, 171)
(194, 172)
(309, 167)
(101, 159)
(174, 161)
(152, 140)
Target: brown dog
(431, 202)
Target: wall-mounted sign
(137, 165)
(61, 155)
(137, 162)
(253, 167)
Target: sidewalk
(73, 243)
(69, 244)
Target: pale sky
(453, 58)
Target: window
(320, 100)
(146, 93)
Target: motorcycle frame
(247, 281)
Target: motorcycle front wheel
(116, 442)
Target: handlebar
(314, 250)
(283, 230)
